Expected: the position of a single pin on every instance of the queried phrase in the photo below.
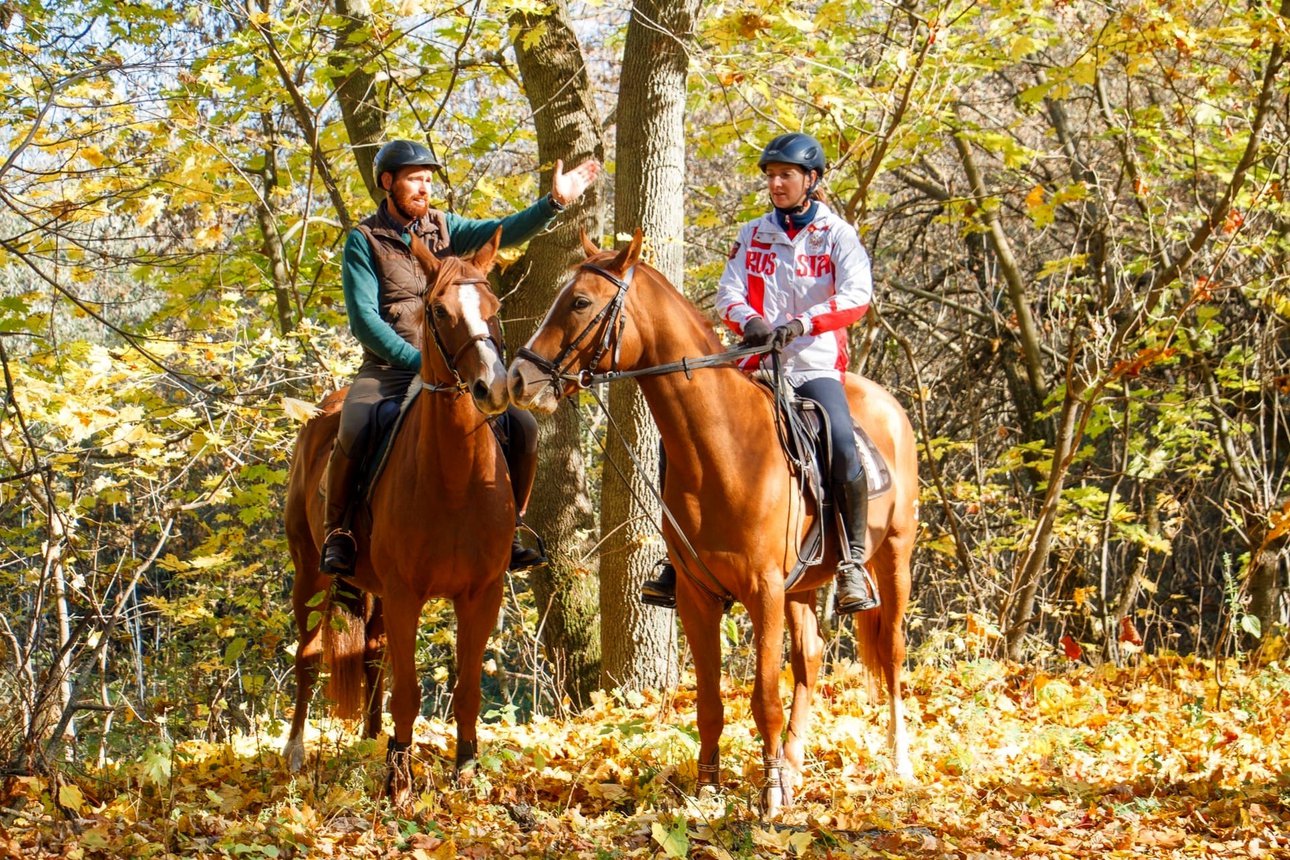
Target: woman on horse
(384, 287)
(796, 278)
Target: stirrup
(336, 559)
(849, 603)
(661, 590)
(523, 557)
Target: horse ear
(425, 256)
(588, 247)
(485, 256)
(628, 256)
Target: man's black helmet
(794, 148)
(398, 154)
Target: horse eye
(581, 303)
(439, 311)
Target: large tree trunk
(568, 127)
(649, 194)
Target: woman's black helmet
(398, 154)
(793, 148)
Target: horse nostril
(479, 390)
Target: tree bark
(649, 194)
(568, 126)
(357, 93)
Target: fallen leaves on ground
(1148, 761)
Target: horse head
(585, 331)
(461, 339)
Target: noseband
(451, 360)
(557, 370)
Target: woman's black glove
(785, 334)
(756, 333)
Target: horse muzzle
(533, 388)
(489, 389)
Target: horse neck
(709, 412)
(447, 425)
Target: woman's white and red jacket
(821, 276)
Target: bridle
(611, 314)
(557, 369)
(450, 361)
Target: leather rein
(611, 314)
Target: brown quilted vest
(401, 282)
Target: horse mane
(705, 325)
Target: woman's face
(787, 184)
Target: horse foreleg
(806, 649)
(309, 650)
(374, 666)
(701, 620)
(766, 613)
(401, 618)
(476, 617)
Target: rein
(612, 313)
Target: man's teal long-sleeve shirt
(465, 236)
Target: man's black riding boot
(524, 557)
(661, 590)
(339, 548)
(856, 589)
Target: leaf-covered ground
(1156, 760)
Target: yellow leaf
(70, 796)
(1084, 72)
(298, 410)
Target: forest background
(1075, 212)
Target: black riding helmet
(398, 154)
(794, 148)
(798, 149)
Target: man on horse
(796, 278)
(384, 288)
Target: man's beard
(408, 206)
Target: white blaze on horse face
(472, 312)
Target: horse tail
(345, 641)
(867, 627)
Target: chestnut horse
(730, 492)
(442, 519)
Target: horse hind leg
(880, 640)
(806, 649)
(309, 651)
(374, 665)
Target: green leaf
(234, 650)
(317, 599)
(1251, 625)
(155, 764)
(313, 620)
(674, 840)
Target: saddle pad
(875, 467)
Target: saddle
(805, 436)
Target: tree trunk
(356, 92)
(650, 195)
(568, 127)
